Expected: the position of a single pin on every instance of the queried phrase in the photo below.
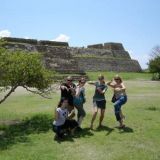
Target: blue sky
(134, 23)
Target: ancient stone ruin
(59, 56)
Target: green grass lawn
(124, 75)
(34, 140)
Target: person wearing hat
(119, 98)
(79, 100)
(99, 101)
(67, 92)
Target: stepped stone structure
(59, 56)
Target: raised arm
(123, 87)
(111, 84)
(63, 87)
(77, 92)
(92, 82)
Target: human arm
(77, 92)
(91, 82)
(100, 90)
(111, 84)
(105, 89)
(63, 87)
(56, 115)
(123, 88)
(71, 114)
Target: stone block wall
(60, 57)
(104, 64)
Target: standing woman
(119, 98)
(99, 101)
(79, 100)
(67, 91)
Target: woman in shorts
(99, 101)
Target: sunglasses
(116, 79)
(69, 80)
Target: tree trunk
(8, 94)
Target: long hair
(81, 80)
(118, 77)
(61, 101)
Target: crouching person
(62, 124)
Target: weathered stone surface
(53, 43)
(104, 64)
(60, 57)
(106, 53)
(113, 46)
(21, 40)
(96, 46)
(108, 46)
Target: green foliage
(154, 63)
(22, 68)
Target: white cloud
(26, 37)
(62, 38)
(5, 33)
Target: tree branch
(36, 92)
(8, 94)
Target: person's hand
(72, 89)
(64, 87)
(99, 89)
(117, 89)
(103, 92)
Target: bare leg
(122, 115)
(94, 116)
(80, 121)
(121, 124)
(101, 117)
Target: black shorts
(100, 104)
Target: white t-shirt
(62, 115)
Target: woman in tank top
(119, 98)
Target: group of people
(73, 96)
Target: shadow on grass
(105, 128)
(152, 108)
(85, 132)
(126, 130)
(18, 133)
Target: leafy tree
(154, 62)
(25, 69)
